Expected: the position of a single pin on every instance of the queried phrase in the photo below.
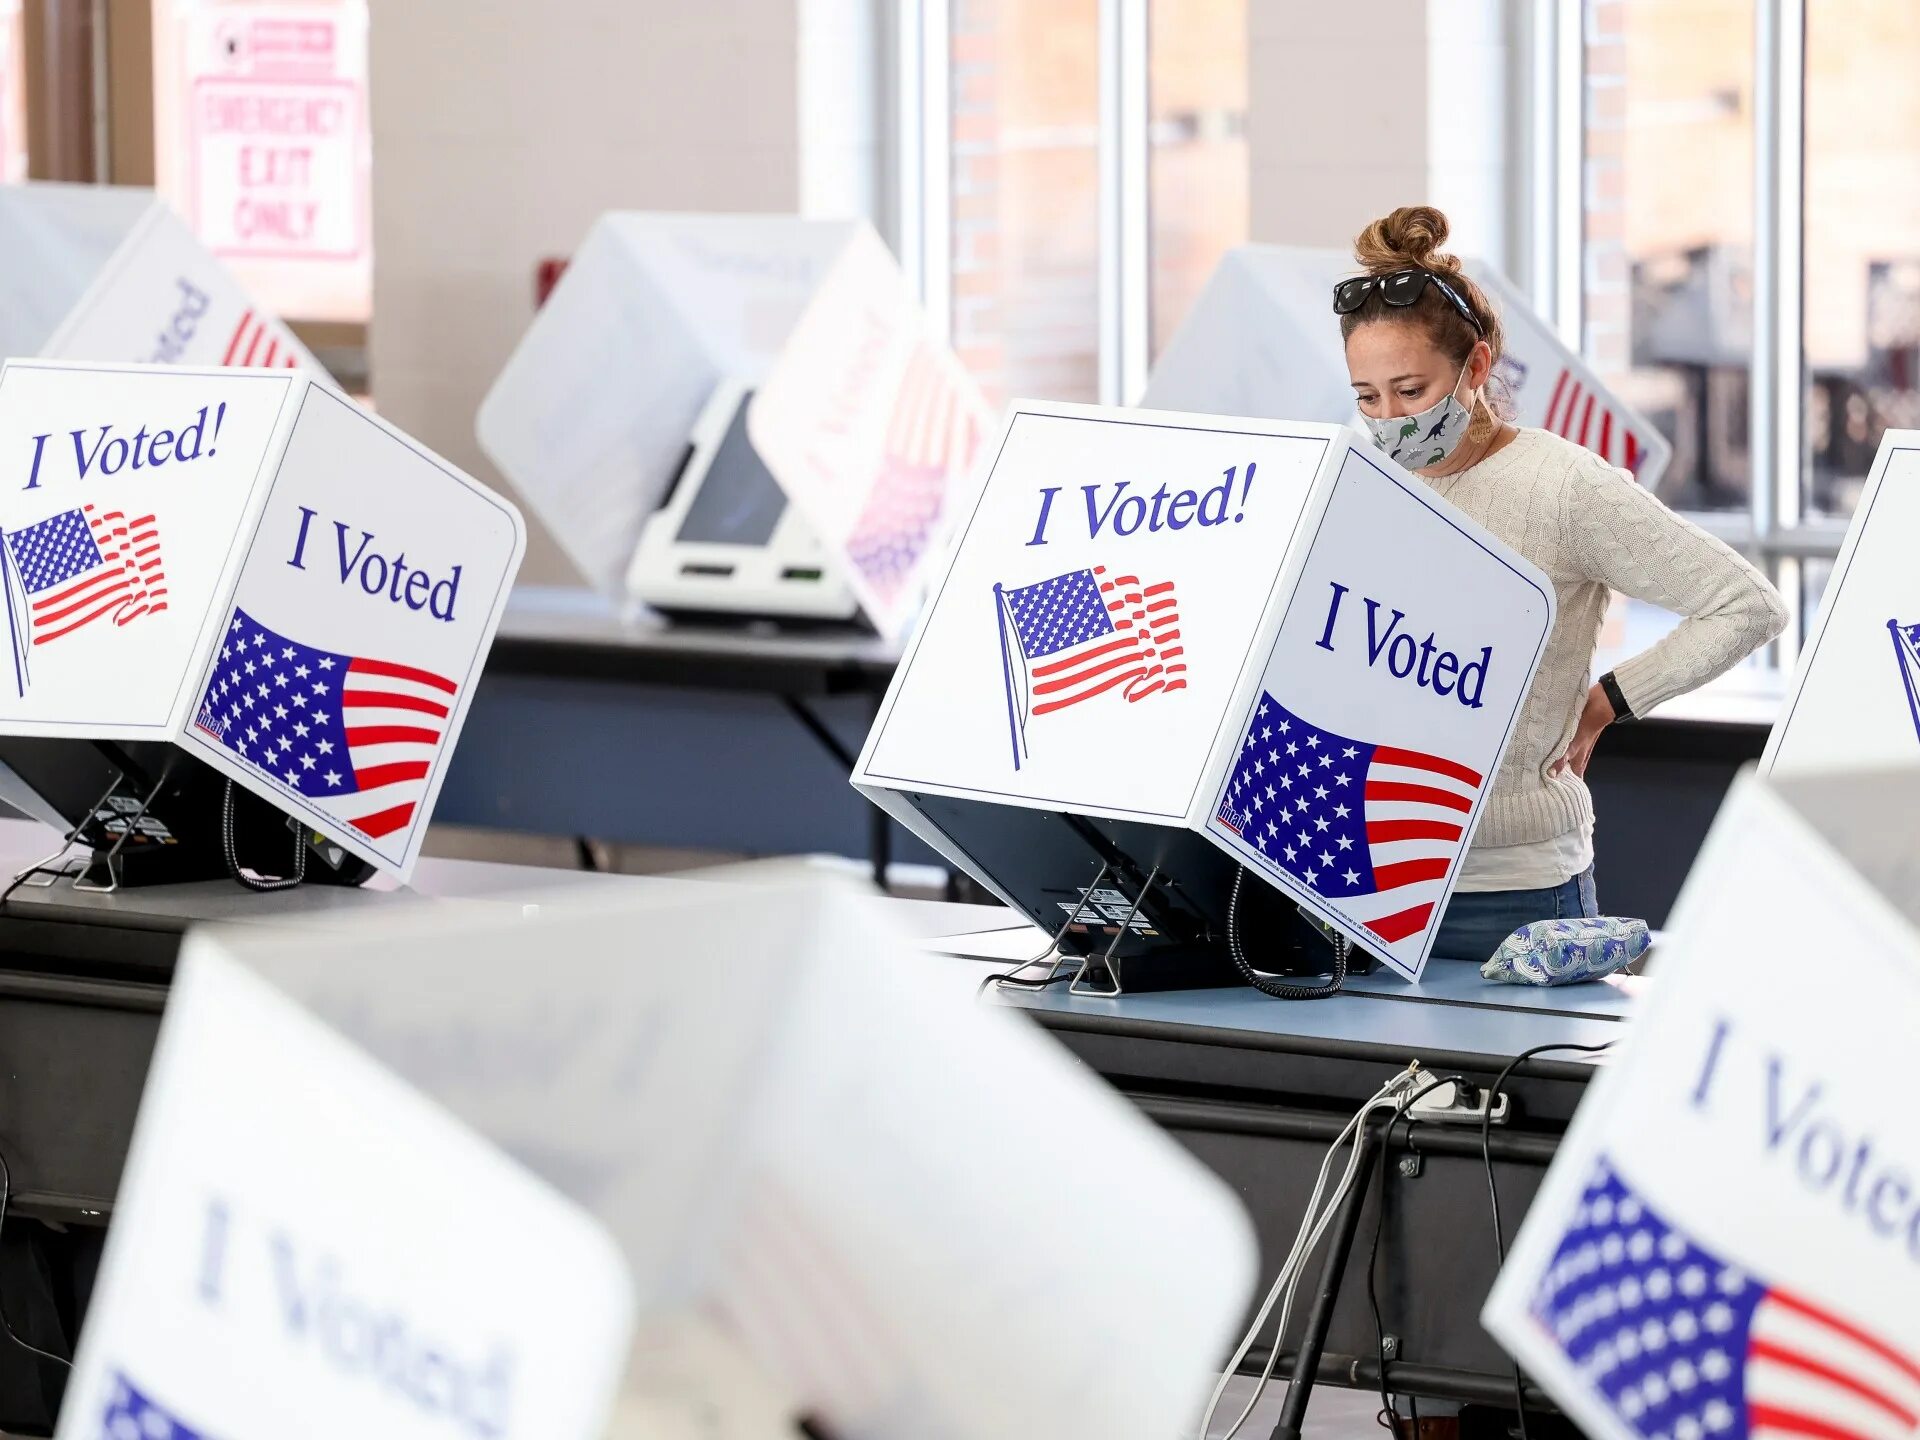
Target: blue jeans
(1476, 922)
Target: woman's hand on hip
(1595, 716)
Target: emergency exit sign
(278, 140)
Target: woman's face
(1397, 370)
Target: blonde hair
(1410, 239)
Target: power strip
(1459, 1103)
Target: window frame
(920, 173)
(1775, 530)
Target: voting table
(1256, 1088)
(84, 976)
(83, 981)
(566, 663)
(629, 687)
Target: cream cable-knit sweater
(1591, 528)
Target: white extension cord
(1313, 1225)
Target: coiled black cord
(1271, 985)
(254, 882)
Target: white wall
(1355, 110)
(502, 128)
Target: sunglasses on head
(1400, 289)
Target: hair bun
(1410, 237)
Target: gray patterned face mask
(1426, 439)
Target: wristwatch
(1621, 710)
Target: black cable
(1007, 979)
(26, 875)
(6, 1193)
(1388, 1419)
(1493, 1189)
(67, 842)
(1267, 984)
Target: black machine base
(151, 814)
(1145, 904)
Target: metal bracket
(1080, 984)
(112, 858)
(1052, 952)
(44, 874)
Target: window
(1096, 173)
(1197, 149)
(1025, 89)
(1668, 211)
(13, 104)
(1862, 240)
(1750, 216)
(261, 142)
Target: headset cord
(1268, 984)
(254, 882)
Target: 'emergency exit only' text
(278, 167)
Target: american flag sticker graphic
(1906, 654)
(1576, 411)
(1081, 635)
(1679, 1341)
(932, 435)
(129, 1414)
(1372, 829)
(75, 568)
(254, 343)
(357, 736)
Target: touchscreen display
(739, 502)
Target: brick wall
(976, 193)
(1025, 96)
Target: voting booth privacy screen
(763, 1117)
(1727, 1239)
(1169, 646)
(1262, 339)
(248, 566)
(108, 273)
(305, 1245)
(1855, 698)
(868, 424)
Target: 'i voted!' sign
(254, 567)
(1728, 1242)
(1264, 633)
(1855, 698)
(1369, 744)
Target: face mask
(1426, 439)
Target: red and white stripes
(256, 342)
(1580, 413)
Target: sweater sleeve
(1624, 537)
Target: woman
(1422, 342)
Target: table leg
(879, 824)
(1293, 1414)
(880, 844)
